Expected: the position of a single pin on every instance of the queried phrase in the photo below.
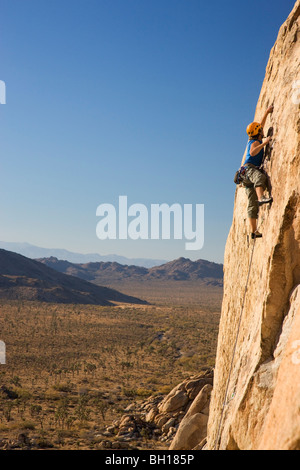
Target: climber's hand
(268, 139)
(270, 109)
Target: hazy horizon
(21, 247)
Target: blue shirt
(258, 159)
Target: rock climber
(254, 179)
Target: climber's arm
(256, 146)
(269, 110)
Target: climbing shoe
(256, 235)
(264, 200)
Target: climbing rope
(217, 441)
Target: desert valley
(87, 343)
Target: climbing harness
(217, 441)
(239, 175)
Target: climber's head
(255, 130)
(260, 135)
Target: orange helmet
(253, 129)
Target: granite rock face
(262, 410)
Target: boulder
(174, 402)
(193, 427)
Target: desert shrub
(35, 410)
(129, 392)
(82, 411)
(22, 393)
(143, 392)
(63, 387)
(29, 425)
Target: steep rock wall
(262, 411)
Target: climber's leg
(259, 191)
(259, 180)
(260, 195)
(252, 202)
(253, 224)
(253, 210)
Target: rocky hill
(262, 404)
(26, 279)
(181, 269)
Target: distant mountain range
(22, 278)
(34, 252)
(182, 269)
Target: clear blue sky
(144, 98)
